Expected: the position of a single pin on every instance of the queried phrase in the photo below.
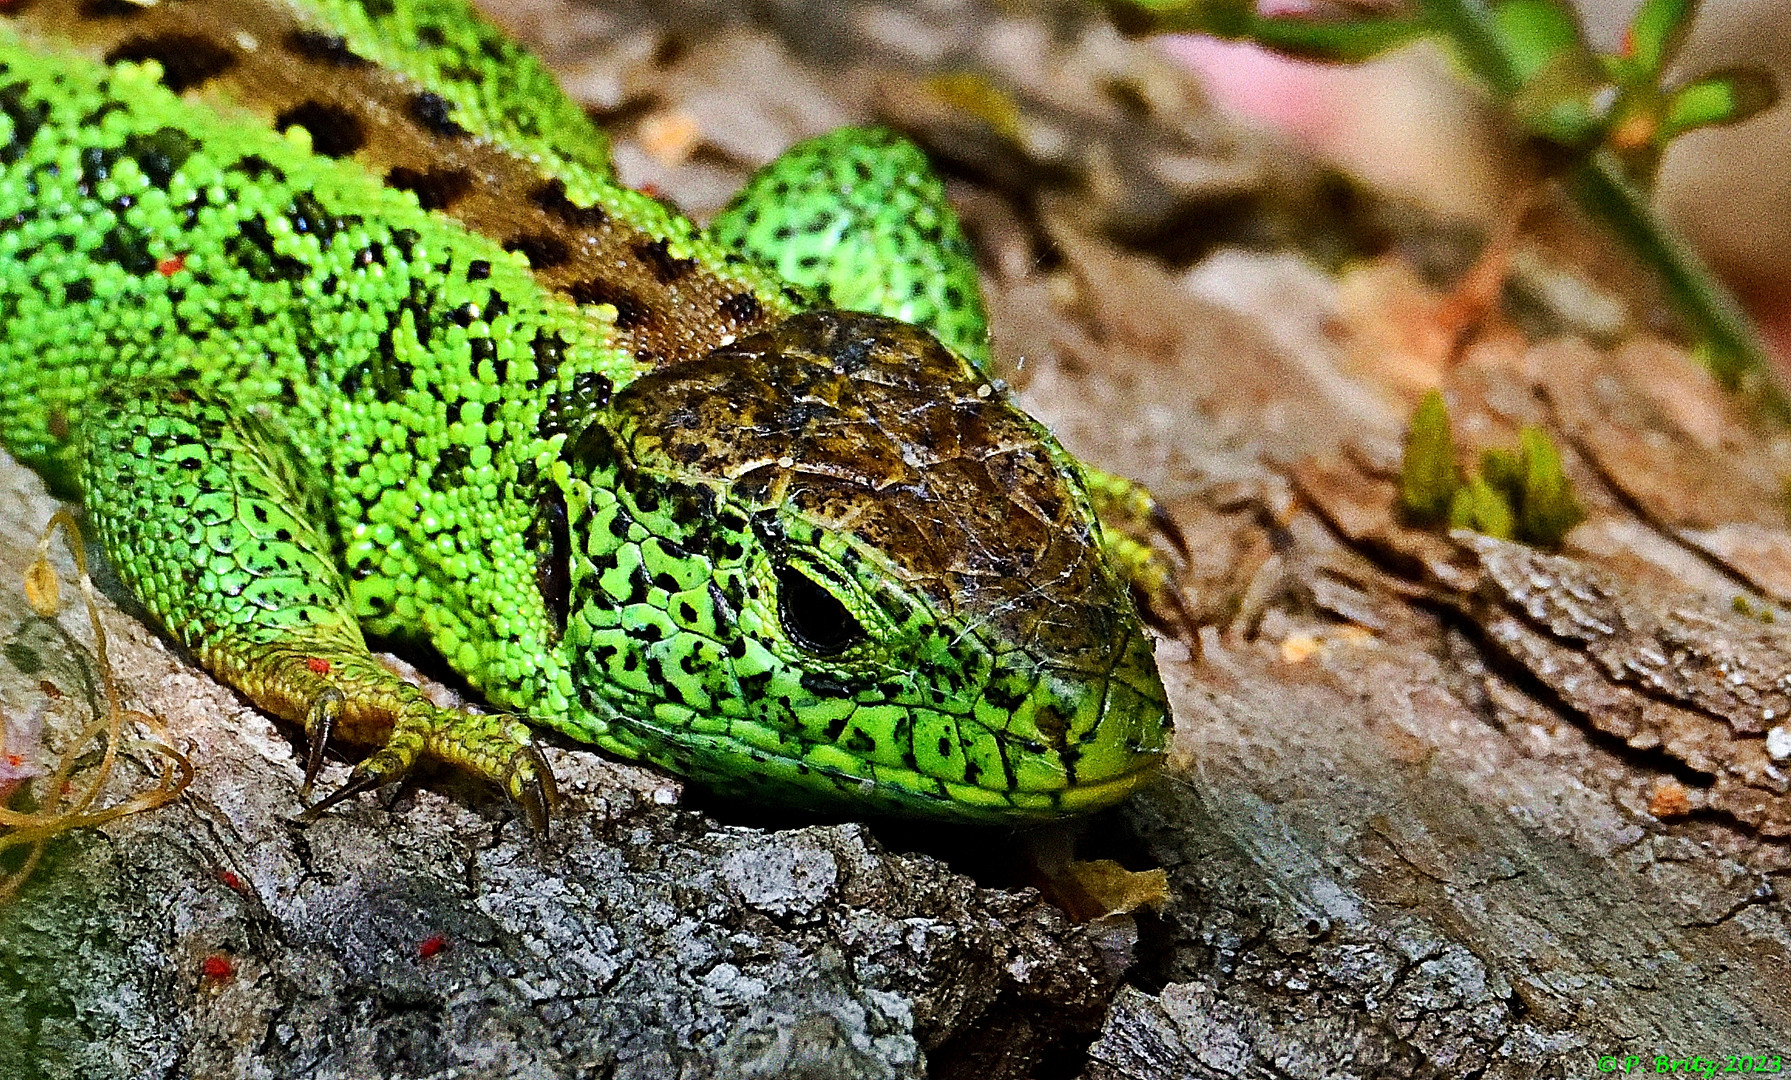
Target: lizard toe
(361, 779)
(1165, 525)
(530, 785)
(495, 748)
(320, 723)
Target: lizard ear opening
(549, 539)
(813, 617)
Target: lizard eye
(813, 617)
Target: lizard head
(835, 560)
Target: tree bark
(1437, 805)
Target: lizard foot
(1133, 518)
(362, 703)
(496, 747)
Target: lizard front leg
(858, 217)
(1130, 516)
(206, 515)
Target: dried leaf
(42, 591)
(1117, 890)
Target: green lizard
(335, 319)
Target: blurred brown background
(1409, 124)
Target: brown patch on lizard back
(435, 189)
(335, 131)
(110, 9)
(544, 251)
(188, 60)
(667, 308)
(323, 48)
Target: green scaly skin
(333, 317)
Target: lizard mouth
(1087, 798)
(780, 776)
(996, 775)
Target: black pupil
(813, 617)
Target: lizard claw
(358, 781)
(320, 724)
(384, 766)
(530, 784)
(1166, 526)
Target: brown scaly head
(869, 577)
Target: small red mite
(319, 665)
(433, 944)
(231, 881)
(169, 266)
(218, 967)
